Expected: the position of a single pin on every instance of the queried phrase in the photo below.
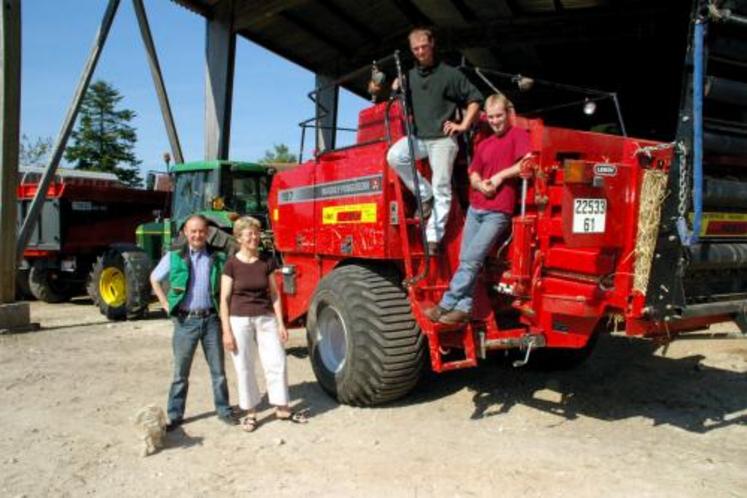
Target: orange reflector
(576, 171)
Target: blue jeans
(188, 332)
(481, 230)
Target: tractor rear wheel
(364, 343)
(48, 284)
(119, 284)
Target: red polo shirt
(493, 155)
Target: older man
(436, 91)
(193, 273)
(496, 162)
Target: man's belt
(201, 313)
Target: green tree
(104, 140)
(279, 154)
(34, 153)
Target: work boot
(454, 317)
(434, 313)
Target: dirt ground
(633, 421)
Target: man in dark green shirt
(436, 91)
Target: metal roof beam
(464, 10)
(547, 30)
(256, 14)
(317, 33)
(343, 15)
(412, 13)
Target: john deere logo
(603, 169)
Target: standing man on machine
(436, 91)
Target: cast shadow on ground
(179, 438)
(307, 397)
(622, 379)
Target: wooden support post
(220, 54)
(67, 127)
(326, 113)
(155, 71)
(14, 317)
(10, 104)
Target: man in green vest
(193, 273)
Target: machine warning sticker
(364, 185)
(723, 225)
(351, 213)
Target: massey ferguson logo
(603, 169)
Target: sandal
(249, 423)
(299, 417)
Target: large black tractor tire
(48, 284)
(23, 290)
(364, 343)
(119, 284)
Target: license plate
(589, 215)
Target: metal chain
(684, 181)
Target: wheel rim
(332, 339)
(113, 287)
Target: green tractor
(220, 190)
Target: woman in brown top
(252, 319)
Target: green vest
(179, 273)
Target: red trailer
(84, 213)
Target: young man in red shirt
(496, 162)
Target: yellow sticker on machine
(723, 225)
(349, 213)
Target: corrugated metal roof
(634, 47)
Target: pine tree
(104, 140)
(34, 153)
(280, 154)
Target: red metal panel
(307, 277)
(292, 219)
(590, 261)
(367, 236)
(371, 124)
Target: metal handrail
(517, 78)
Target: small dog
(151, 425)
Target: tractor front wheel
(119, 284)
(48, 284)
(364, 343)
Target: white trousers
(441, 153)
(259, 334)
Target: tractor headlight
(218, 204)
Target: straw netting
(653, 191)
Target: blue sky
(269, 91)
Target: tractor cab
(221, 190)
